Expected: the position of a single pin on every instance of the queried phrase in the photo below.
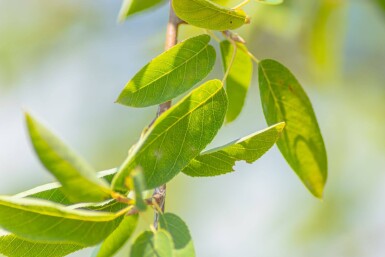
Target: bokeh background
(66, 61)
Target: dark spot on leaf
(231, 22)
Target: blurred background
(67, 61)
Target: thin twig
(171, 40)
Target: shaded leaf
(183, 244)
(119, 237)
(239, 77)
(40, 220)
(170, 74)
(78, 179)
(13, 246)
(149, 244)
(301, 144)
(177, 136)
(221, 160)
(130, 7)
(209, 15)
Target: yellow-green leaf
(119, 237)
(40, 220)
(12, 246)
(176, 137)
(271, 2)
(221, 160)
(284, 99)
(170, 74)
(130, 7)
(209, 15)
(79, 180)
(239, 77)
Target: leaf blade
(12, 246)
(40, 220)
(209, 15)
(302, 145)
(183, 244)
(118, 238)
(171, 73)
(131, 7)
(221, 160)
(198, 116)
(239, 77)
(157, 244)
(79, 180)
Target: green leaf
(40, 220)
(130, 7)
(270, 2)
(209, 15)
(284, 99)
(221, 160)
(177, 136)
(79, 180)
(13, 246)
(54, 191)
(119, 237)
(239, 77)
(170, 74)
(183, 244)
(137, 184)
(149, 244)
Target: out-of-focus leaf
(13, 246)
(40, 220)
(301, 144)
(78, 179)
(177, 136)
(54, 191)
(183, 244)
(137, 184)
(209, 15)
(221, 160)
(130, 7)
(119, 237)
(158, 244)
(271, 2)
(170, 74)
(239, 77)
(382, 4)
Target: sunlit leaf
(78, 179)
(239, 78)
(271, 2)
(177, 136)
(119, 237)
(130, 7)
(13, 246)
(221, 160)
(183, 244)
(40, 220)
(158, 244)
(54, 191)
(170, 74)
(209, 15)
(301, 144)
(137, 184)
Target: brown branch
(171, 40)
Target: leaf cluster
(88, 208)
